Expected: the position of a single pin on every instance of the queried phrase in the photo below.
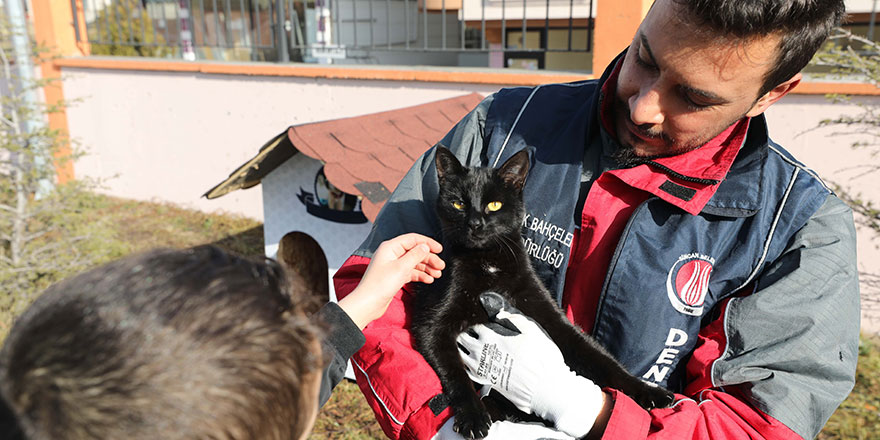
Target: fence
(533, 34)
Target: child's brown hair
(196, 343)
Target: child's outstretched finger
(435, 262)
(422, 277)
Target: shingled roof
(364, 155)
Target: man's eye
(694, 105)
(493, 206)
(458, 205)
(643, 62)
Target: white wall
(172, 136)
(856, 6)
(473, 10)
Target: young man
(670, 227)
(190, 344)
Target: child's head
(195, 343)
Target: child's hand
(400, 260)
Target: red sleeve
(396, 381)
(704, 413)
(715, 415)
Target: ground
(131, 226)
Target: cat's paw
(651, 396)
(473, 423)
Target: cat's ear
(447, 163)
(515, 170)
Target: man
(671, 228)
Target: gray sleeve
(792, 345)
(342, 340)
(411, 207)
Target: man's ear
(774, 95)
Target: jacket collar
(741, 193)
(723, 177)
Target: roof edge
(275, 153)
(251, 173)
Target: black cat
(481, 211)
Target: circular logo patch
(688, 283)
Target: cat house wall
(296, 198)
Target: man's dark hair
(196, 343)
(803, 26)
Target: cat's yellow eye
(458, 205)
(493, 206)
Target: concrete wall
(172, 135)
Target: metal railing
(530, 33)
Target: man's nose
(644, 108)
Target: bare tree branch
(31, 237)
(55, 245)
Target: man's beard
(626, 156)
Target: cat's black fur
(487, 254)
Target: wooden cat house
(330, 179)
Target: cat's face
(479, 206)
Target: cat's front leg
(646, 394)
(471, 418)
(591, 360)
(438, 347)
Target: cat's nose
(476, 224)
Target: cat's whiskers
(505, 241)
(447, 230)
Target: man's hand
(514, 356)
(504, 430)
(400, 260)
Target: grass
(346, 416)
(111, 228)
(858, 418)
(118, 227)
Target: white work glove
(514, 356)
(504, 430)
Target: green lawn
(116, 227)
(859, 416)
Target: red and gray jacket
(726, 274)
